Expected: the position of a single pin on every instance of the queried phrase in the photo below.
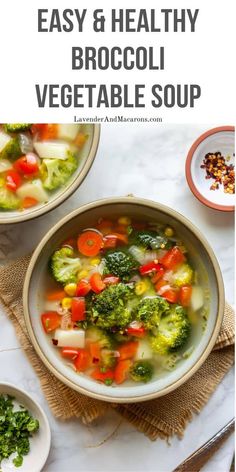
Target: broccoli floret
(64, 266)
(12, 149)
(56, 172)
(150, 310)
(183, 275)
(120, 263)
(141, 371)
(8, 199)
(107, 358)
(16, 127)
(150, 240)
(173, 331)
(95, 335)
(109, 308)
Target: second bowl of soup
(41, 165)
(123, 299)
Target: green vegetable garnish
(16, 427)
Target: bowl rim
(155, 206)
(38, 406)
(188, 173)
(67, 192)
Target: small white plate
(217, 139)
(39, 443)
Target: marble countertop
(148, 161)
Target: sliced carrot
(55, 295)
(80, 139)
(89, 243)
(50, 131)
(29, 202)
(83, 360)
(102, 374)
(95, 351)
(128, 350)
(122, 371)
(185, 295)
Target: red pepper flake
(95, 360)
(55, 342)
(217, 169)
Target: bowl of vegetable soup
(41, 165)
(123, 299)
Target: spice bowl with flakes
(210, 168)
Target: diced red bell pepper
(50, 321)
(128, 350)
(38, 128)
(69, 352)
(185, 294)
(13, 180)
(27, 164)
(160, 283)
(172, 258)
(158, 275)
(150, 267)
(82, 361)
(122, 371)
(111, 280)
(78, 309)
(102, 374)
(96, 282)
(171, 295)
(137, 332)
(55, 295)
(110, 241)
(83, 288)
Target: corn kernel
(66, 303)
(169, 232)
(82, 274)
(141, 287)
(95, 261)
(70, 289)
(124, 220)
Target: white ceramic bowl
(39, 443)
(216, 139)
(87, 156)
(203, 260)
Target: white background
(204, 57)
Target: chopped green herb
(16, 427)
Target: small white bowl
(39, 443)
(216, 139)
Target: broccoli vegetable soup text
(122, 300)
(36, 160)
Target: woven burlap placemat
(162, 417)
